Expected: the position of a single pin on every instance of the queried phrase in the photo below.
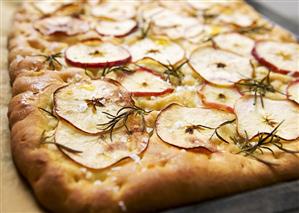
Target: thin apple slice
(168, 19)
(189, 127)
(66, 25)
(205, 5)
(220, 67)
(200, 4)
(98, 151)
(188, 28)
(83, 103)
(293, 91)
(280, 57)
(219, 97)
(49, 7)
(96, 54)
(234, 42)
(115, 10)
(116, 28)
(160, 49)
(236, 17)
(253, 118)
(147, 13)
(146, 83)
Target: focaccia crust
(163, 176)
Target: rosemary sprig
(121, 118)
(250, 147)
(217, 129)
(174, 71)
(264, 139)
(52, 60)
(95, 74)
(259, 29)
(145, 29)
(122, 68)
(259, 87)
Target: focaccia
(140, 106)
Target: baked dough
(162, 176)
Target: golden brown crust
(164, 177)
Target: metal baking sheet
(283, 197)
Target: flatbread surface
(154, 175)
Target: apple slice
(220, 67)
(189, 127)
(187, 28)
(115, 10)
(236, 17)
(234, 42)
(116, 29)
(66, 25)
(254, 119)
(219, 97)
(98, 151)
(83, 103)
(205, 5)
(293, 91)
(280, 57)
(146, 83)
(168, 19)
(200, 4)
(96, 54)
(49, 7)
(160, 49)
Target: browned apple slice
(189, 127)
(253, 118)
(146, 83)
(83, 103)
(219, 97)
(234, 42)
(98, 151)
(96, 54)
(280, 57)
(114, 10)
(116, 28)
(293, 91)
(220, 67)
(160, 49)
(61, 25)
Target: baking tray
(282, 197)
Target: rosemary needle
(121, 118)
(259, 87)
(52, 60)
(174, 71)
